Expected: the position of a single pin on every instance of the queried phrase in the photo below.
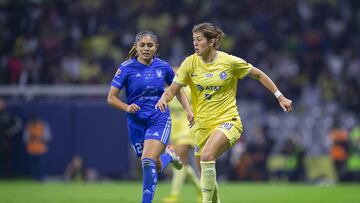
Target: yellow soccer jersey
(180, 131)
(213, 86)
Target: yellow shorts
(231, 129)
(181, 134)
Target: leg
(190, 172)
(179, 176)
(151, 153)
(160, 132)
(182, 151)
(213, 148)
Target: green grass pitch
(130, 192)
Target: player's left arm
(183, 99)
(285, 103)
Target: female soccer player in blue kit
(144, 76)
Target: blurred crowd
(310, 48)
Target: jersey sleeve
(241, 67)
(120, 78)
(169, 77)
(182, 74)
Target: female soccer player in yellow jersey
(183, 140)
(212, 76)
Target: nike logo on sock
(206, 190)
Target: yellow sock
(177, 181)
(208, 180)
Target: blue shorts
(156, 128)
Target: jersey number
(138, 147)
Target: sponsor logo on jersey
(223, 75)
(193, 75)
(213, 88)
(208, 96)
(199, 87)
(209, 75)
(138, 75)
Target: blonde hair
(210, 31)
(139, 35)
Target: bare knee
(182, 152)
(207, 155)
(153, 157)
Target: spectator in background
(353, 162)
(10, 125)
(75, 170)
(37, 135)
(259, 150)
(340, 148)
(90, 72)
(294, 153)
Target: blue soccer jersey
(144, 86)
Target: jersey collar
(138, 62)
(212, 61)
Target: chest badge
(223, 75)
(159, 73)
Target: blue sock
(149, 179)
(165, 161)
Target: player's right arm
(119, 80)
(114, 101)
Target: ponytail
(131, 53)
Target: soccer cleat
(176, 163)
(170, 199)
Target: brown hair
(210, 31)
(139, 35)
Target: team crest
(223, 75)
(159, 73)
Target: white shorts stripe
(166, 132)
